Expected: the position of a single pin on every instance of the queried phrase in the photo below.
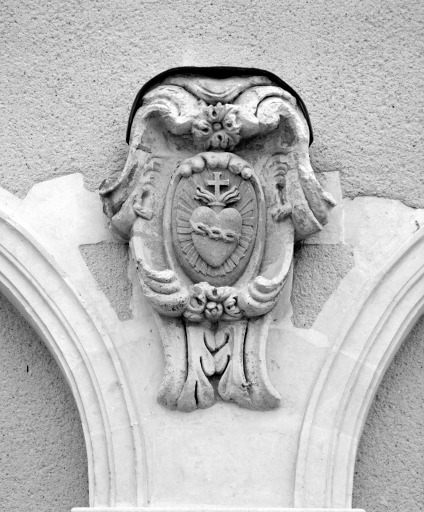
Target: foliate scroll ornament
(212, 232)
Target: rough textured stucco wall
(108, 262)
(43, 461)
(71, 70)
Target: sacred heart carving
(215, 235)
(214, 220)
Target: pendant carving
(216, 188)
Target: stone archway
(82, 347)
(392, 435)
(366, 338)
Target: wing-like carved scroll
(267, 108)
(128, 194)
(255, 115)
(176, 107)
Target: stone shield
(214, 224)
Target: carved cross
(217, 183)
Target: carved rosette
(212, 232)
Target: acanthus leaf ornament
(212, 232)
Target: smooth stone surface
(220, 509)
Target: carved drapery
(216, 188)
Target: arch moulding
(84, 351)
(367, 337)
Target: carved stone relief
(216, 188)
